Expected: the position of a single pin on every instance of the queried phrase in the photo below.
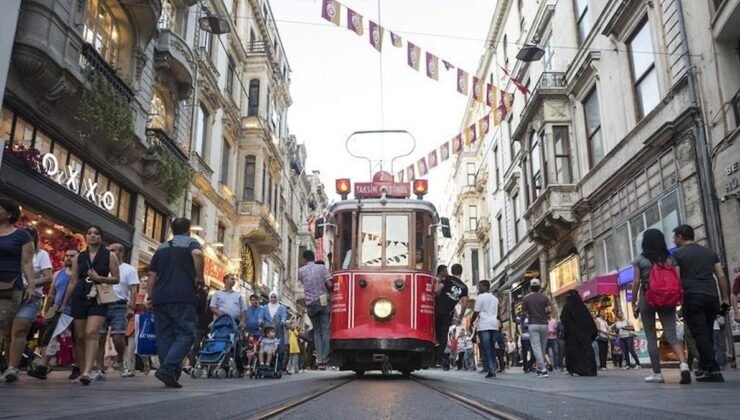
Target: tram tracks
(483, 409)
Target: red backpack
(664, 288)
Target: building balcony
(174, 60)
(200, 166)
(547, 102)
(736, 108)
(726, 21)
(258, 226)
(483, 229)
(551, 215)
(158, 138)
(481, 182)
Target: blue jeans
(554, 351)
(718, 340)
(319, 316)
(469, 360)
(175, 325)
(487, 339)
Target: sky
(336, 81)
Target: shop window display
(53, 237)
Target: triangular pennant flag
(354, 21)
(422, 165)
(410, 173)
(412, 54)
(444, 151)
(432, 66)
(462, 81)
(376, 36)
(399, 176)
(457, 144)
(448, 65)
(470, 135)
(491, 94)
(478, 89)
(483, 125)
(396, 40)
(432, 159)
(330, 11)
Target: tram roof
(388, 204)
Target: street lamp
(213, 24)
(529, 53)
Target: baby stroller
(264, 370)
(220, 355)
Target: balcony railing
(158, 138)
(736, 108)
(550, 80)
(92, 61)
(258, 47)
(200, 165)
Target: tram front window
(397, 240)
(371, 240)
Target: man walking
(536, 306)
(229, 302)
(486, 307)
(698, 267)
(449, 291)
(317, 286)
(119, 314)
(175, 271)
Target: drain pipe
(704, 164)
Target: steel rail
(297, 402)
(471, 404)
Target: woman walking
(94, 265)
(16, 258)
(603, 338)
(654, 251)
(580, 332)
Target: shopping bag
(65, 356)
(146, 344)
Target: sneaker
(187, 369)
(685, 377)
(127, 374)
(38, 372)
(543, 374)
(99, 376)
(491, 374)
(626, 368)
(75, 373)
(655, 378)
(706, 377)
(11, 374)
(168, 381)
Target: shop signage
(733, 179)
(564, 275)
(375, 189)
(69, 177)
(213, 270)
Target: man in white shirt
(119, 314)
(486, 311)
(229, 302)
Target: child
(268, 346)
(617, 355)
(293, 348)
(250, 351)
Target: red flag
(354, 21)
(422, 165)
(462, 81)
(412, 54)
(483, 125)
(376, 36)
(432, 66)
(457, 144)
(396, 40)
(330, 11)
(432, 159)
(399, 176)
(490, 94)
(444, 151)
(448, 65)
(478, 89)
(410, 173)
(516, 82)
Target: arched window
(102, 30)
(250, 165)
(254, 98)
(159, 114)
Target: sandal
(85, 380)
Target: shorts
(116, 320)
(8, 309)
(83, 309)
(29, 311)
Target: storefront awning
(599, 286)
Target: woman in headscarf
(580, 332)
(276, 315)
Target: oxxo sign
(70, 178)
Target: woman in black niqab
(580, 332)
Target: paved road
(614, 394)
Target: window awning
(599, 286)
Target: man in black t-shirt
(449, 291)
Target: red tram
(384, 256)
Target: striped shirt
(314, 277)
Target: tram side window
(371, 241)
(345, 240)
(421, 236)
(397, 240)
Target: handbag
(105, 295)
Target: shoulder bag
(105, 295)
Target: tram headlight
(383, 309)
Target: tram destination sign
(375, 189)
